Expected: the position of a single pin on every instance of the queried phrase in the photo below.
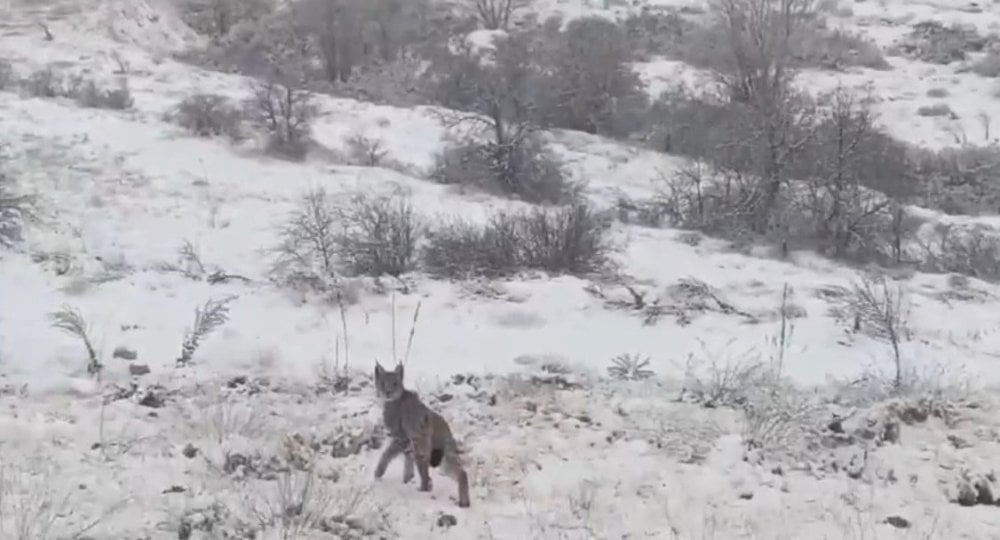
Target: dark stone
(898, 522)
(446, 520)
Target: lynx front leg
(396, 446)
(407, 466)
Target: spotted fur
(419, 433)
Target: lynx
(419, 433)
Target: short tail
(437, 455)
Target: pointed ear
(399, 370)
(379, 370)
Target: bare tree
(336, 29)
(497, 99)
(378, 235)
(759, 76)
(589, 83)
(839, 202)
(349, 34)
(285, 113)
(309, 238)
(495, 14)
(217, 17)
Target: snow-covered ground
(517, 366)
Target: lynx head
(388, 384)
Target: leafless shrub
(780, 423)
(712, 382)
(71, 320)
(850, 165)
(396, 82)
(33, 508)
(285, 114)
(522, 167)
(378, 235)
(192, 267)
(353, 35)
(647, 213)
(497, 100)
(224, 418)
(959, 180)
(88, 94)
(882, 313)
(972, 251)
(663, 33)
(209, 115)
(571, 240)
(759, 45)
(755, 129)
(207, 319)
(931, 41)
(217, 17)
(366, 151)
(695, 126)
(309, 238)
(496, 14)
(589, 84)
(300, 503)
(847, 173)
(46, 83)
(815, 45)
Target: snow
(121, 191)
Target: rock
(138, 370)
(190, 451)
(890, 432)
(125, 353)
(152, 400)
(446, 520)
(958, 442)
(746, 495)
(967, 495)
(237, 381)
(984, 492)
(898, 522)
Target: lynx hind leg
(421, 446)
(452, 467)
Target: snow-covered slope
(554, 451)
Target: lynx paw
(425, 486)
(407, 476)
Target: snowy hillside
(771, 409)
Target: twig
(413, 329)
(394, 357)
(343, 324)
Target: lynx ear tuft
(399, 370)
